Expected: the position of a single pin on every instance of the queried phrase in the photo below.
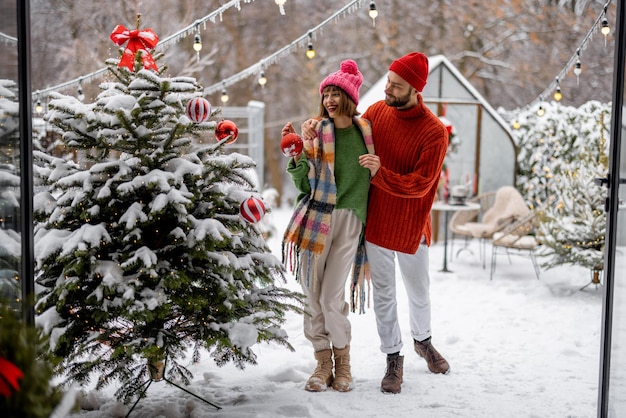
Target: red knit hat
(348, 78)
(413, 68)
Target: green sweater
(352, 180)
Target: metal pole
(612, 212)
(27, 274)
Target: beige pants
(326, 321)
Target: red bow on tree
(9, 376)
(138, 40)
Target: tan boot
(343, 378)
(322, 376)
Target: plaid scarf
(310, 223)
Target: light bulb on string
(310, 52)
(38, 107)
(606, 29)
(541, 111)
(262, 79)
(80, 94)
(197, 45)
(373, 13)
(224, 97)
(281, 5)
(557, 91)
(605, 24)
(577, 66)
(516, 124)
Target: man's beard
(397, 101)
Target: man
(411, 144)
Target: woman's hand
(288, 129)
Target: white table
(446, 208)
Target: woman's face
(331, 99)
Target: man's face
(398, 93)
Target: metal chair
(518, 236)
(508, 206)
(459, 219)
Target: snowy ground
(517, 346)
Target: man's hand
(309, 129)
(371, 162)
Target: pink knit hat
(413, 68)
(348, 78)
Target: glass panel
(10, 247)
(617, 372)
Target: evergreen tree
(560, 155)
(546, 144)
(141, 253)
(10, 241)
(24, 347)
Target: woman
(326, 228)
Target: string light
(224, 98)
(197, 46)
(574, 61)
(38, 107)
(605, 27)
(605, 24)
(557, 91)
(605, 30)
(175, 37)
(81, 95)
(516, 124)
(541, 111)
(310, 52)
(373, 13)
(262, 79)
(578, 67)
(197, 43)
(253, 69)
(276, 56)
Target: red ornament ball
(198, 109)
(226, 128)
(291, 145)
(252, 209)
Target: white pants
(326, 318)
(414, 270)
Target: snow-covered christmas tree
(560, 154)
(143, 258)
(10, 241)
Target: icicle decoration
(574, 61)
(281, 6)
(276, 57)
(163, 43)
(8, 39)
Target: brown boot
(343, 378)
(435, 361)
(322, 376)
(393, 376)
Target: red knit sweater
(412, 145)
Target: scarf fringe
(359, 295)
(292, 261)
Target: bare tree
(510, 50)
